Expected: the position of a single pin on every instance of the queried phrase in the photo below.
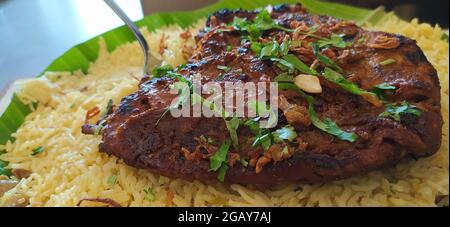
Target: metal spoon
(150, 60)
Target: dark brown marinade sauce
(173, 148)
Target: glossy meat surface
(173, 147)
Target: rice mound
(72, 168)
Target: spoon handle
(116, 8)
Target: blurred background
(35, 32)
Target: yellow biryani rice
(71, 166)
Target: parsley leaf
(395, 111)
(285, 133)
(326, 125)
(37, 150)
(149, 194)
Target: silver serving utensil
(150, 60)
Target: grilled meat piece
(172, 148)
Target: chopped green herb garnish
(285, 133)
(284, 65)
(219, 160)
(264, 138)
(380, 89)
(222, 172)
(220, 157)
(362, 39)
(4, 170)
(395, 111)
(243, 162)
(107, 109)
(326, 125)
(112, 180)
(345, 84)
(169, 72)
(299, 65)
(388, 61)
(262, 22)
(220, 77)
(224, 68)
(335, 40)
(284, 77)
(385, 86)
(206, 139)
(37, 150)
(262, 110)
(229, 48)
(149, 194)
(324, 59)
(232, 126)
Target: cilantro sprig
(396, 111)
(326, 125)
(219, 160)
(262, 22)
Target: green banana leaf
(80, 56)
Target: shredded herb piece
(37, 150)
(232, 126)
(4, 170)
(229, 48)
(284, 77)
(219, 160)
(322, 58)
(395, 111)
(149, 194)
(335, 40)
(326, 125)
(206, 139)
(220, 157)
(285, 133)
(262, 22)
(243, 162)
(388, 61)
(222, 172)
(224, 68)
(380, 89)
(107, 109)
(299, 65)
(112, 180)
(348, 86)
(284, 65)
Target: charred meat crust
(130, 132)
